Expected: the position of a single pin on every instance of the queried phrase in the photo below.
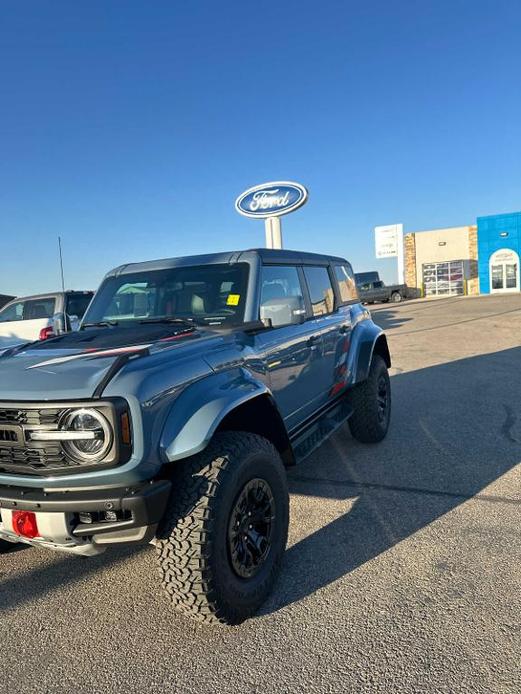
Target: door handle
(313, 341)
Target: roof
(266, 255)
(46, 295)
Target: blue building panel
(496, 233)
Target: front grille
(8, 436)
(34, 458)
(31, 417)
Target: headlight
(87, 435)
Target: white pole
(401, 269)
(273, 229)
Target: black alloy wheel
(250, 528)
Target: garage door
(443, 278)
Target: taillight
(46, 333)
(24, 524)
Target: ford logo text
(271, 199)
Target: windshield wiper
(101, 324)
(190, 322)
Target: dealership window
(346, 283)
(444, 279)
(320, 290)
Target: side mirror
(74, 322)
(58, 323)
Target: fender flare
(367, 338)
(199, 409)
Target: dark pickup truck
(378, 291)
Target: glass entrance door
(511, 276)
(504, 271)
(496, 276)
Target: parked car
(171, 415)
(378, 291)
(39, 317)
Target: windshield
(206, 294)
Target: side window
(39, 308)
(320, 290)
(12, 312)
(282, 301)
(346, 283)
(77, 304)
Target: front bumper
(135, 514)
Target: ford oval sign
(271, 199)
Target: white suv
(38, 317)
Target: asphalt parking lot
(402, 572)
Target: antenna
(61, 262)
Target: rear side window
(77, 304)
(320, 290)
(346, 283)
(39, 308)
(12, 312)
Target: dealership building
(499, 247)
(442, 262)
(480, 258)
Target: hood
(71, 366)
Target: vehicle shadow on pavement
(56, 570)
(454, 431)
(388, 319)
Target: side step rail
(311, 434)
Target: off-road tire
(366, 423)
(396, 297)
(192, 540)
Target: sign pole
(273, 229)
(401, 269)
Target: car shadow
(387, 319)
(447, 443)
(58, 570)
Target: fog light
(24, 524)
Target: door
(291, 349)
(332, 326)
(380, 293)
(504, 271)
(444, 279)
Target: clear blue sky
(129, 127)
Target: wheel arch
(260, 415)
(381, 347)
(370, 340)
(229, 401)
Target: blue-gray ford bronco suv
(171, 415)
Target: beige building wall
(439, 246)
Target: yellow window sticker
(233, 299)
